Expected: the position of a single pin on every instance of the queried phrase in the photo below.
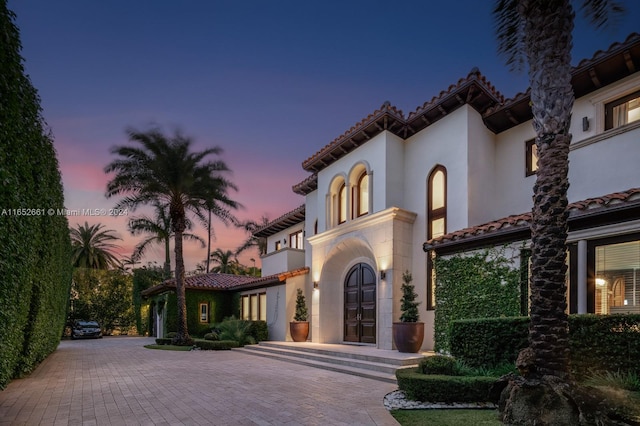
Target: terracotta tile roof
(224, 282)
(308, 185)
(285, 221)
(387, 117)
(523, 221)
(473, 77)
(604, 67)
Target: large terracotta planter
(299, 330)
(408, 336)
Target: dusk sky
(269, 82)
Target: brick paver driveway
(116, 381)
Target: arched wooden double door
(360, 304)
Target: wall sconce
(315, 285)
(383, 274)
(585, 124)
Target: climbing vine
(477, 285)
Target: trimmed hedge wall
(597, 342)
(35, 249)
(440, 388)
(489, 341)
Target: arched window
(342, 204)
(436, 222)
(362, 191)
(437, 205)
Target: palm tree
(538, 33)
(160, 229)
(250, 227)
(225, 261)
(92, 247)
(225, 216)
(165, 170)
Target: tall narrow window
(363, 194)
(263, 307)
(436, 223)
(204, 312)
(342, 204)
(531, 157)
(437, 205)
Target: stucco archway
(339, 260)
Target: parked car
(85, 329)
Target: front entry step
(363, 361)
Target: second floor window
(362, 192)
(296, 241)
(342, 204)
(622, 111)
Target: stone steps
(363, 361)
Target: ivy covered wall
(35, 249)
(222, 304)
(478, 285)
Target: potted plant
(408, 334)
(299, 327)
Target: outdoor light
(315, 285)
(600, 282)
(585, 124)
(383, 274)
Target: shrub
(163, 341)
(446, 389)
(235, 329)
(217, 345)
(621, 380)
(438, 364)
(212, 336)
(171, 334)
(259, 330)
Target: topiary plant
(301, 307)
(438, 364)
(409, 306)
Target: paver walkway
(116, 381)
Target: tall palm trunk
(548, 45)
(182, 333)
(167, 259)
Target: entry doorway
(360, 305)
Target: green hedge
(440, 388)
(163, 341)
(597, 343)
(488, 342)
(605, 343)
(217, 345)
(35, 249)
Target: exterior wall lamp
(315, 285)
(383, 274)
